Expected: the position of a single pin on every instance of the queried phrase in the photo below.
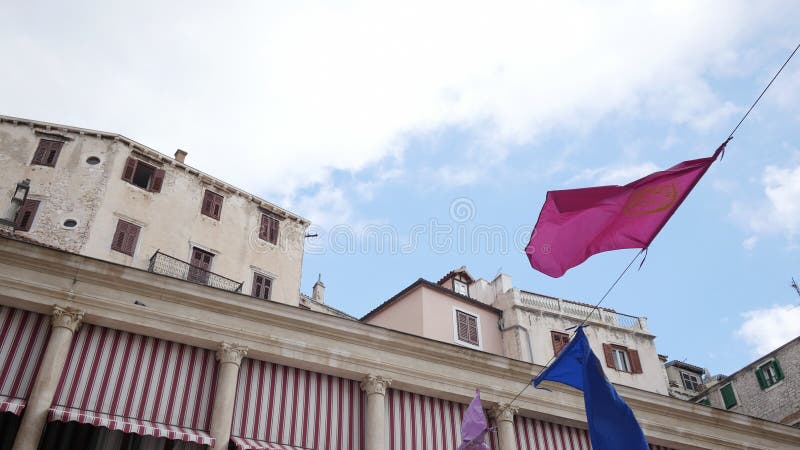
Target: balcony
(581, 311)
(163, 264)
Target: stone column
(65, 322)
(375, 387)
(230, 357)
(503, 415)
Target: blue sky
(435, 122)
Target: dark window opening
(262, 286)
(70, 223)
(143, 175)
(93, 160)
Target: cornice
(36, 278)
(594, 323)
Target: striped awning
(23, 338)
(297, 408)
(137, 384)
(425, 423)
(12, 405)
(128, 425)
(535, 434)
(253, 444)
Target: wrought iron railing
(581, 311)
(173, 267)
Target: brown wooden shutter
(47, 152)
(26, 214)
(636, 364)
(269, 229)
(212, 204)
(560, 340)
(609, 356)
(261, 286)
(130, 168)
(473, 330)
(158, 180)
(125, 237)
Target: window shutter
(206, 208)
(125, 237)
(609, 356)
(778, 371)
(462, 325)
(762, 381)
(472, 326)
(131, 237)
(130, 167)
(53, 149)
(258, 282)
(728, 396)
(39, 154)
(26, 214)
(269, 229)
(158, 180)
(636, 364)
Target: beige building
(522, 325)
(127, 322)
(685, 380)
(105, 196)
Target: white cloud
(750, 243)
(779, 212)
(276, 96)
(619, 174)
(767, 329)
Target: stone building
(100, 349)
(522, 325)
(105, 196)
(767, 388)
(685, 380)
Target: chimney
(318, 291)
(180, 155)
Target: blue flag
(612, 425)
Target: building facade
(767, 388)
(105, 196)
(685, 380)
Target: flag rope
(597, 305)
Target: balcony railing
(173, 267)
(582, 311)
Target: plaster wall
(438, 320)
(405, 314)
(96, 197)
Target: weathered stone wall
(773, 403)
(96, 197)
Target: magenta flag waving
(575, 224)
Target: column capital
(375, 384)
(231, 353)
(66, 317)
(503, 412)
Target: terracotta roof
(434, 286)
(462, 270)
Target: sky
(422, 136)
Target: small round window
(93, 160)
(70, 223)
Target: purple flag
(474, 426)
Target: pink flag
(575, 224)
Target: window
(262, 286)
(139, 173)
(125, 237)
(460, 287)
(690, 381)
(560, 340)
(26, 214)
(728, 396)
(622, 358)
(212, 204)
(705, 401)
(467, 328)
(769, 374)
(269, 229)
(200, 266)
(47, 152)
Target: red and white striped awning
(297, 408)
(535, 434)
(23, 338)
(425, 423)
(128, 425)
(253, 444)
(137, 384)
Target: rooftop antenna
(794, 285)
